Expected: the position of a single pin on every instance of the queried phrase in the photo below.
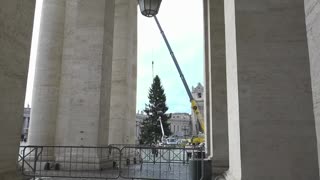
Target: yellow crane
(200, 137)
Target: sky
(182, 22)
(33, 53)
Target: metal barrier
(70, 162)
(129, 162)
(145, 162)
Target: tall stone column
(47, 74)
(216, 98)
(106, 73)
(86, 68)
(16, 23)
(312, 11)
(124, 74)
(270, 110)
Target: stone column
(312, 11)
(86, 55)
(47, 74)
(106, 73)
(84, 94)
(216, 98)
(16, 23)
(124, 74)
(270, 110)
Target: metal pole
(174, 60)
(35, 163)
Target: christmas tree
(151, 128)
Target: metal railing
(161, 163)
(70, 162)
(112, 162)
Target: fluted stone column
(312, 10)
(86, 67)
(47, 73)
(216, 98)
(270, 109)
(124, 74)
(16, 23)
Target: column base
(219, 167)
(196, 169)
(229, 176)
(11, 175)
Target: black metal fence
(71, 161)
(161, 163)
(112, 162)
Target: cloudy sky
(182, 21)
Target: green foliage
(151, 129)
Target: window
(199, 95)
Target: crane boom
(194, 105)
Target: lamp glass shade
(149, 8)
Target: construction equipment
(163, 138)
(200, 137)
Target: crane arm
(194, 105)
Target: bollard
(47, 166)
(57, 166)
(196, 170)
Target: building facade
(26, 122)
(140, 116)
(180, 124)
(198, 95)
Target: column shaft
(270, 110)
(216, 64)
(312, 11)
(47, 74)
(85, 56)
(106, 73)
(16, 23)
(124, 74)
